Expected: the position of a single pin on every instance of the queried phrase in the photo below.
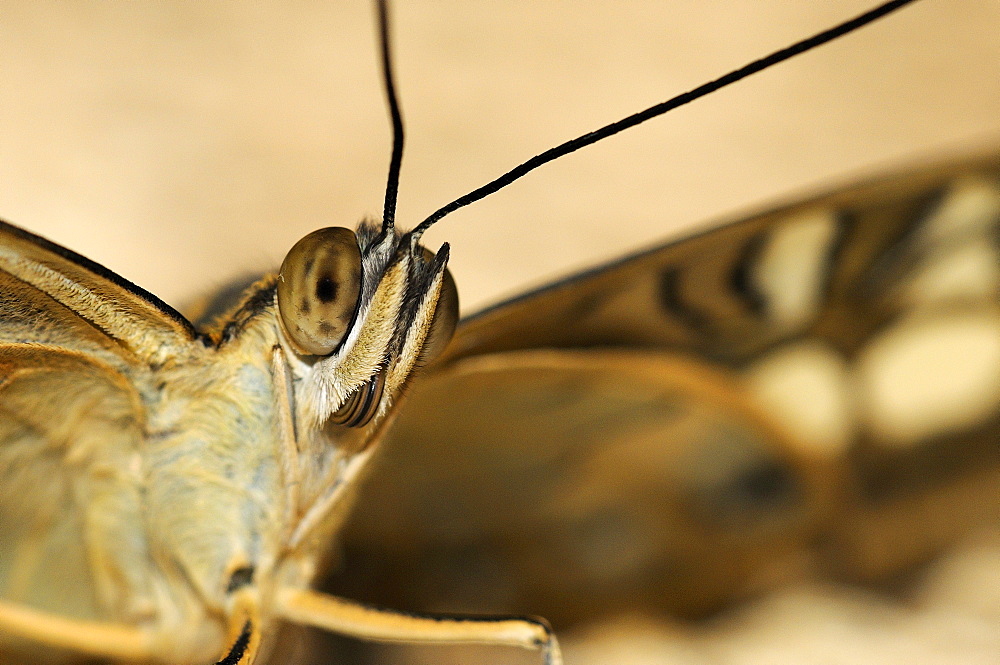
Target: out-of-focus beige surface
(180, 144)
(948, 615)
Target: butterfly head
(359, 311)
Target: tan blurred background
(183, 143)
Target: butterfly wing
(56, 297)
(814, 386)
(77, 348)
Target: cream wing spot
(792, 266)
(806, 388)
(972, 206)
(929, 375)
(957, 238)
(971, 270)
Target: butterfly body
(189, 475)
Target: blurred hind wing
(863, 324)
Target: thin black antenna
(392, 184)
(659, 109)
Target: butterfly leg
(106, 640)
(368, 623)
(289, 440)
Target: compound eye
(318, 289)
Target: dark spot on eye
(305, 307)
(326, 289)
(307, 268)
(240, 578)
(326, 329)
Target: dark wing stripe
(741, 278)
(675, 305)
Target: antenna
(392, 183)
(659, 109)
